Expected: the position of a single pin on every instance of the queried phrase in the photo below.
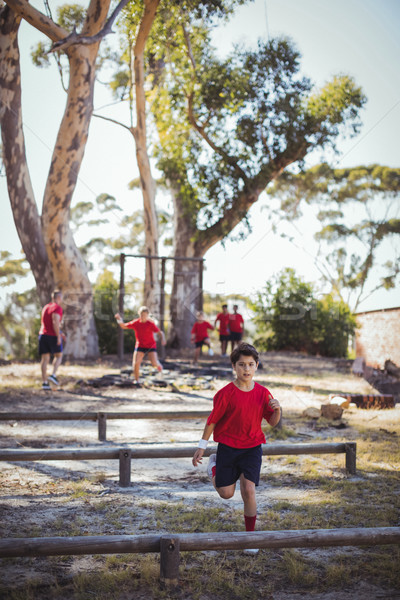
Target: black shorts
(224, 338)
(236, 336)
(200, 344)
(232, 462)
(48, 344)
(145, 350)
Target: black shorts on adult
(236, 336)
(232, 462)
(224, 338)
(48, 344)
(145, 350)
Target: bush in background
(105, 298)
(289, 317)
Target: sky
(355, 37)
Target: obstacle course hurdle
(102, 417)
(170, 545)
(125, 454)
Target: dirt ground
(58, 498)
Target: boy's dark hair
(56, 294)
(245, 350)
(224, 306)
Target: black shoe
(54, 379)
(45, 386)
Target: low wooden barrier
(125, 455)
(102, 417)
(170, 545)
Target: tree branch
(130, 129)
(62, 45)
(37, 19)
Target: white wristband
(202, 444)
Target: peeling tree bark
(185, 294)
(54, 257)
(24, 208)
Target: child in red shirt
(235, 422)
(199, 335)
(236, 327)
(224, 333)
(144, 329)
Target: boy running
(236, 324)
(199, 335)
(224, 333)
(235, 421)
(144, 329)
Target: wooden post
(102, 426)
(162, 295)
(120, 343)
(201, 267)
(351, 450)
(125, 467)
(169, 561)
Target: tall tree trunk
(67, 265)
(151, 284)
(23, 205)
(70, 272)
(186, 291)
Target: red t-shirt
(46, 326)
(236, 323)
(223, 319)
(200, 330)
(144, 332)
(238, 415)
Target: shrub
(289, 317)
(105, 298)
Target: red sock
(214, 470)
(250, 522)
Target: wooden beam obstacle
(170, 545)
(102, 417)
(125, 454)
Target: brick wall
(378, 336)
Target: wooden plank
(48, 416)
(157, 451)
(120, 544)
(92, 416)
(307, 538)
(71, 546)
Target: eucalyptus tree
(46, 239)
(143, 28)
(359, 210)
(227, 128)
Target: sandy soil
(48, 498)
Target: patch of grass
(279, 433)
(180, 518)
(299, 572)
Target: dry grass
(296, 492)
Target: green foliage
(105, 298)
(333, 327)
(19, 325)
(227, 125)
(71, 16)
(11, 269)
(105, 251)
(289, 317)
(357, 206)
